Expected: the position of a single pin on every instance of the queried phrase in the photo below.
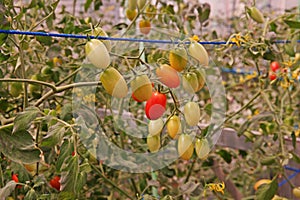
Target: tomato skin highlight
(274, 66)
(185, 146)
(96, 52)
(156, 106)
(192, 113)
(141, 88)
(174, 126)
(198, 52)
(178, 59)
(114, 83)
(168, 76)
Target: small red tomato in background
(274, 66)
(156, 106)
(272, 76)
(15, 178)
(55, 182)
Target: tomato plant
(156, 105)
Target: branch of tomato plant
(37, 145)
(69, 76)
(244, 106)
(29, 81)
(63, 88)
(110, 182)
(190, 171)
(277, 121)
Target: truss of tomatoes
(114, 84)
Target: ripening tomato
(274, 66)
(296, 192)
(174, 126)
(145, 26)
(200, 78)
(153, 142)
(131, 14)
(156, 106)
(272, 76)
(190, 82)
(114, 83)
(141, 88)
(192, 113)
(98, 31)
(198, 52)
(97, 53)
(185, 146)
(55, 182)
(168, 76)
(202, 148)
(261, 182)
(178, 58)
(155, 126)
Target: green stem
(190, 171)
(154, 189)
(69, 76)
(244, 106)
(110, 182)
(28, 81)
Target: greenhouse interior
(150, 99)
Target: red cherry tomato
(55, 182)
(274, 66)
(15, 178)
(156, 106)
(272, 76)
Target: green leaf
(87, 5)
(54, 135)
(267, 191)
(208, 108)
(72, 179)
(66, 150)
(44, 40)
(7, 189)
(292, 24)
(225, 155)
(24, 119)
(296, 158)
(3, 57)
(19, 147)
(31, 194)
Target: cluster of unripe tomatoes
(154, 92)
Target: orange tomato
(168, 76)
(145, 26)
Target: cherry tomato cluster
(149, 11)
(283, 75)
(168, 78)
